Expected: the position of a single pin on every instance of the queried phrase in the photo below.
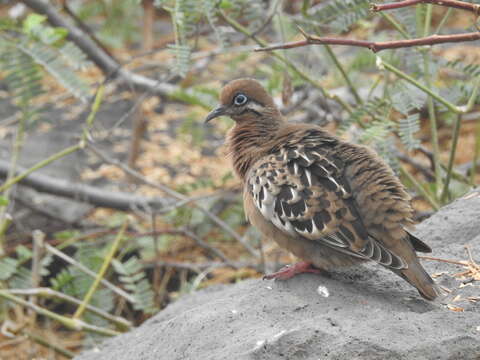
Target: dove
(330, 202)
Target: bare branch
(383, 45)
(447, 3)
(375, 46)
(90, 194)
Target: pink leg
(291, 270)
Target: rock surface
(363, 313)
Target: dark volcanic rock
(363, 313)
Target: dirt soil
(363, 313)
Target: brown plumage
(329, 202)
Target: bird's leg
(291, 270)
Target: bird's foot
(291, 270)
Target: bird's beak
(218, 111)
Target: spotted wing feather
(301, 189)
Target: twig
(48, 293)
(409, 160)
(448, 3)
(379, 46)
(37, 255)
(473, 268)
(73, 324)
(84, 27)
(476, 154)
(453, 147)
(431, 108)
(419, 188)
(101, 272)
(176, 195)
(87, 271)
(470, 256)
(344, 74)
(268, 20)
(374, 45)
(42, 341)
(461, 263)
(396, 25)
(456, 134)
(425, 89)
(443, 21)
(208, 247)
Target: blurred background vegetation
(116, 199)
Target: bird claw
(290, 271)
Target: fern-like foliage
(340, 15)
(16, 274)
(8, 267)
(23, 77)
(74, 282)
(407, 128)
(472, 70)
(251, 12)
(134, 279)
(52, 61)
(74, 57)
(185, 15)
(210, 11)
(182, 58)
(374, 108)
(188, 15)
(30, 50)
(407, 18)
(377, 132)
(407, 98)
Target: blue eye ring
(240, 99)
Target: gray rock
(363, 313)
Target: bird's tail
(416, 275)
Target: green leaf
(23, 252)
(225, 4)
(8, 267)
(3, 201)
(32, 22)
(52, 36)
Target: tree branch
(383, 45)
(90, 194)
(447, 3)
(375, 46)
(109, 66)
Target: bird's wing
(300, 188)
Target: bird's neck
(248, 141)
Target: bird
(332, 203)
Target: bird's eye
(240, 99)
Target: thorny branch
(447, 3)
(375, 46)
(395, 44)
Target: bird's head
(244, 100)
